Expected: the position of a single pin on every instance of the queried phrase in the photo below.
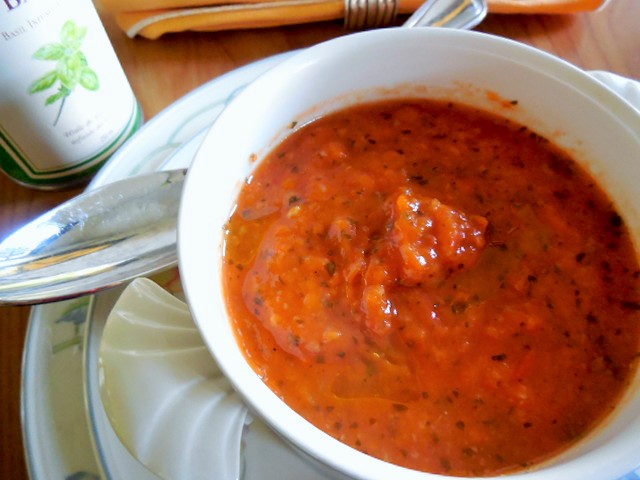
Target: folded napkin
(153, 18)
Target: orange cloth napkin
(153, 18)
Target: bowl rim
(256, 394)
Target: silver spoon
(127, 229)
(94, 241)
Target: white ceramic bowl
(555, 99)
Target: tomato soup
(435, 286)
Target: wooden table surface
(161, 71)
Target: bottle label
(65, 103)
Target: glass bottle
(65, 102)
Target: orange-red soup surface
(434, 286)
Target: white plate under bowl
(61, 441)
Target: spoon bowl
(94, 241)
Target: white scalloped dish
(182, 409)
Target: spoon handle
(94, 241)
(463, 14)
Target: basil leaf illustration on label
(52, 51)
(72, 35)
(72, 67)
(44, 82)
(89, 79)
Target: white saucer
(69, 438)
